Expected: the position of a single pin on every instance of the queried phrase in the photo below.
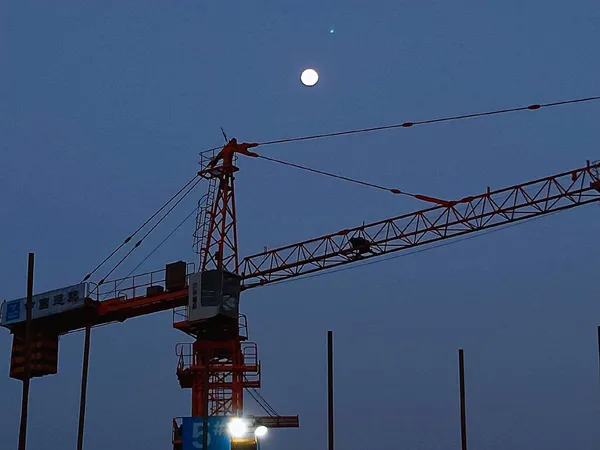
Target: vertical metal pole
(27, 374)
(330, 387)
(84, 378)
(205, 406)
(599, 349)
(463, 412)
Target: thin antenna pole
(27, 374)
(463, 412)
(330, 387)
(84, 378)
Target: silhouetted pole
(330, 387)
(599, 349)
(463, 412)
(84, 377)
(27, 374)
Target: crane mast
(221, 363)
(216, 227)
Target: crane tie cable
(531, 107)
(425, 198)
(131, 236)
(138, 243)
(157, 247)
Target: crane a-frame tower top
(220, 363)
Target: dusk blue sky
(104, 107)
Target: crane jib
(470, 214)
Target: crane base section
(217, 372)
(188, 431)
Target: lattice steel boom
(470, 214)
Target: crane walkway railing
(188, 358)
(138, 285)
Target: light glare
(237, 427)
(261, 431)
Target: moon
(309, 77)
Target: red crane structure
(221, 363)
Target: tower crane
(221, 363)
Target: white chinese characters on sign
(45, 304)
(218, 437)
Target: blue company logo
(218, 436)
(13, 310)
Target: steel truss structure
(468, 215)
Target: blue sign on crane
(218, 436)
(44, 304)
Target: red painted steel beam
(470, 214)
(114, 310)
(131, 307)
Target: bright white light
(309, 77)
(261, 431)
(237, 427)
